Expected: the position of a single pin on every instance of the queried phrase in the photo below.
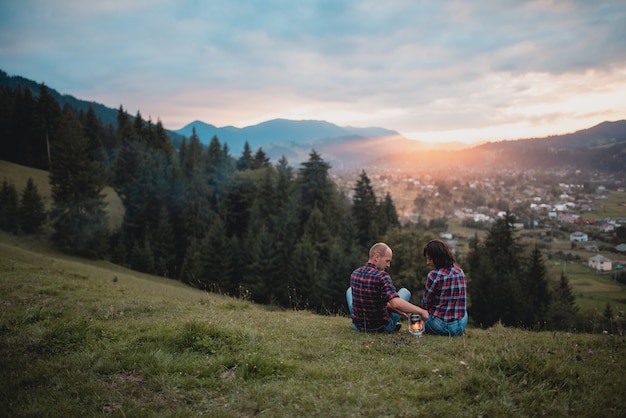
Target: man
(374, 303)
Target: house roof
(600, 258)
(621, 248)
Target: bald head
(380, 254)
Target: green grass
(18, 176)
(86, 338)
(593, 290)
(614, 207)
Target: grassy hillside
(18, 176)
(87, 338)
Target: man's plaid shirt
(372, 288)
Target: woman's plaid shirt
(444, 294)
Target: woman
(444, 294)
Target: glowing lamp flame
(416, 324)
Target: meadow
(89, 338)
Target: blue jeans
(393, 316)
(434, 325)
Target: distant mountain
(601, 135)
(294, 139)
(601, 147)
(106, 114)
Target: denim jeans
(393, 316)
(434, 325)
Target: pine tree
(261, 160)
(218, 251)
(95, 132)
(194, 265)
(608, 318)
(388, 215)
(285, 229)
(32, 212)
(535, 304)
(78, 217)
(261, 271)
(246, 161)
(9, 208)
(141, 257)
(238, 202)
(162, 240)
(365, 212)
(23, 125)
(315, 189)
(317, 239)
(305, 276)
(48, 118)
(496, 291)
(220, 168)
(562, 310)
(339, 267)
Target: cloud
(417, 67)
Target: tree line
(240, 225)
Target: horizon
(435, 72)
(433, 143)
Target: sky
(437, 71)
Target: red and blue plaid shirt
(372, 288)
(444, 294)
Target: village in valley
(573, 216)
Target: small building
(445, 235)
(578, 236)
(600, 263)
(607, 227)
(621, 248)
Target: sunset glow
(434, 71)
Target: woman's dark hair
(439, 253)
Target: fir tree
(9, 208)
(365, 212)
(95, 132)
(496, 291)
(162, 240)
(608, 318)
(221, 256)
(535, 304)
(261, 271)
(141, 257)
(78, 216)
(48, 119)
(562, 310)
(220, 168)
(388, 215)
(315, 189)
(32, 212)
(317, 239)
(261, 160)
(246, 161)
(194, 265)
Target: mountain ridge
(601, 147)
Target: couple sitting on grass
(376, 306)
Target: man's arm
(403, 308)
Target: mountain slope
(601, 147)
(294, 139)
(106, 114)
